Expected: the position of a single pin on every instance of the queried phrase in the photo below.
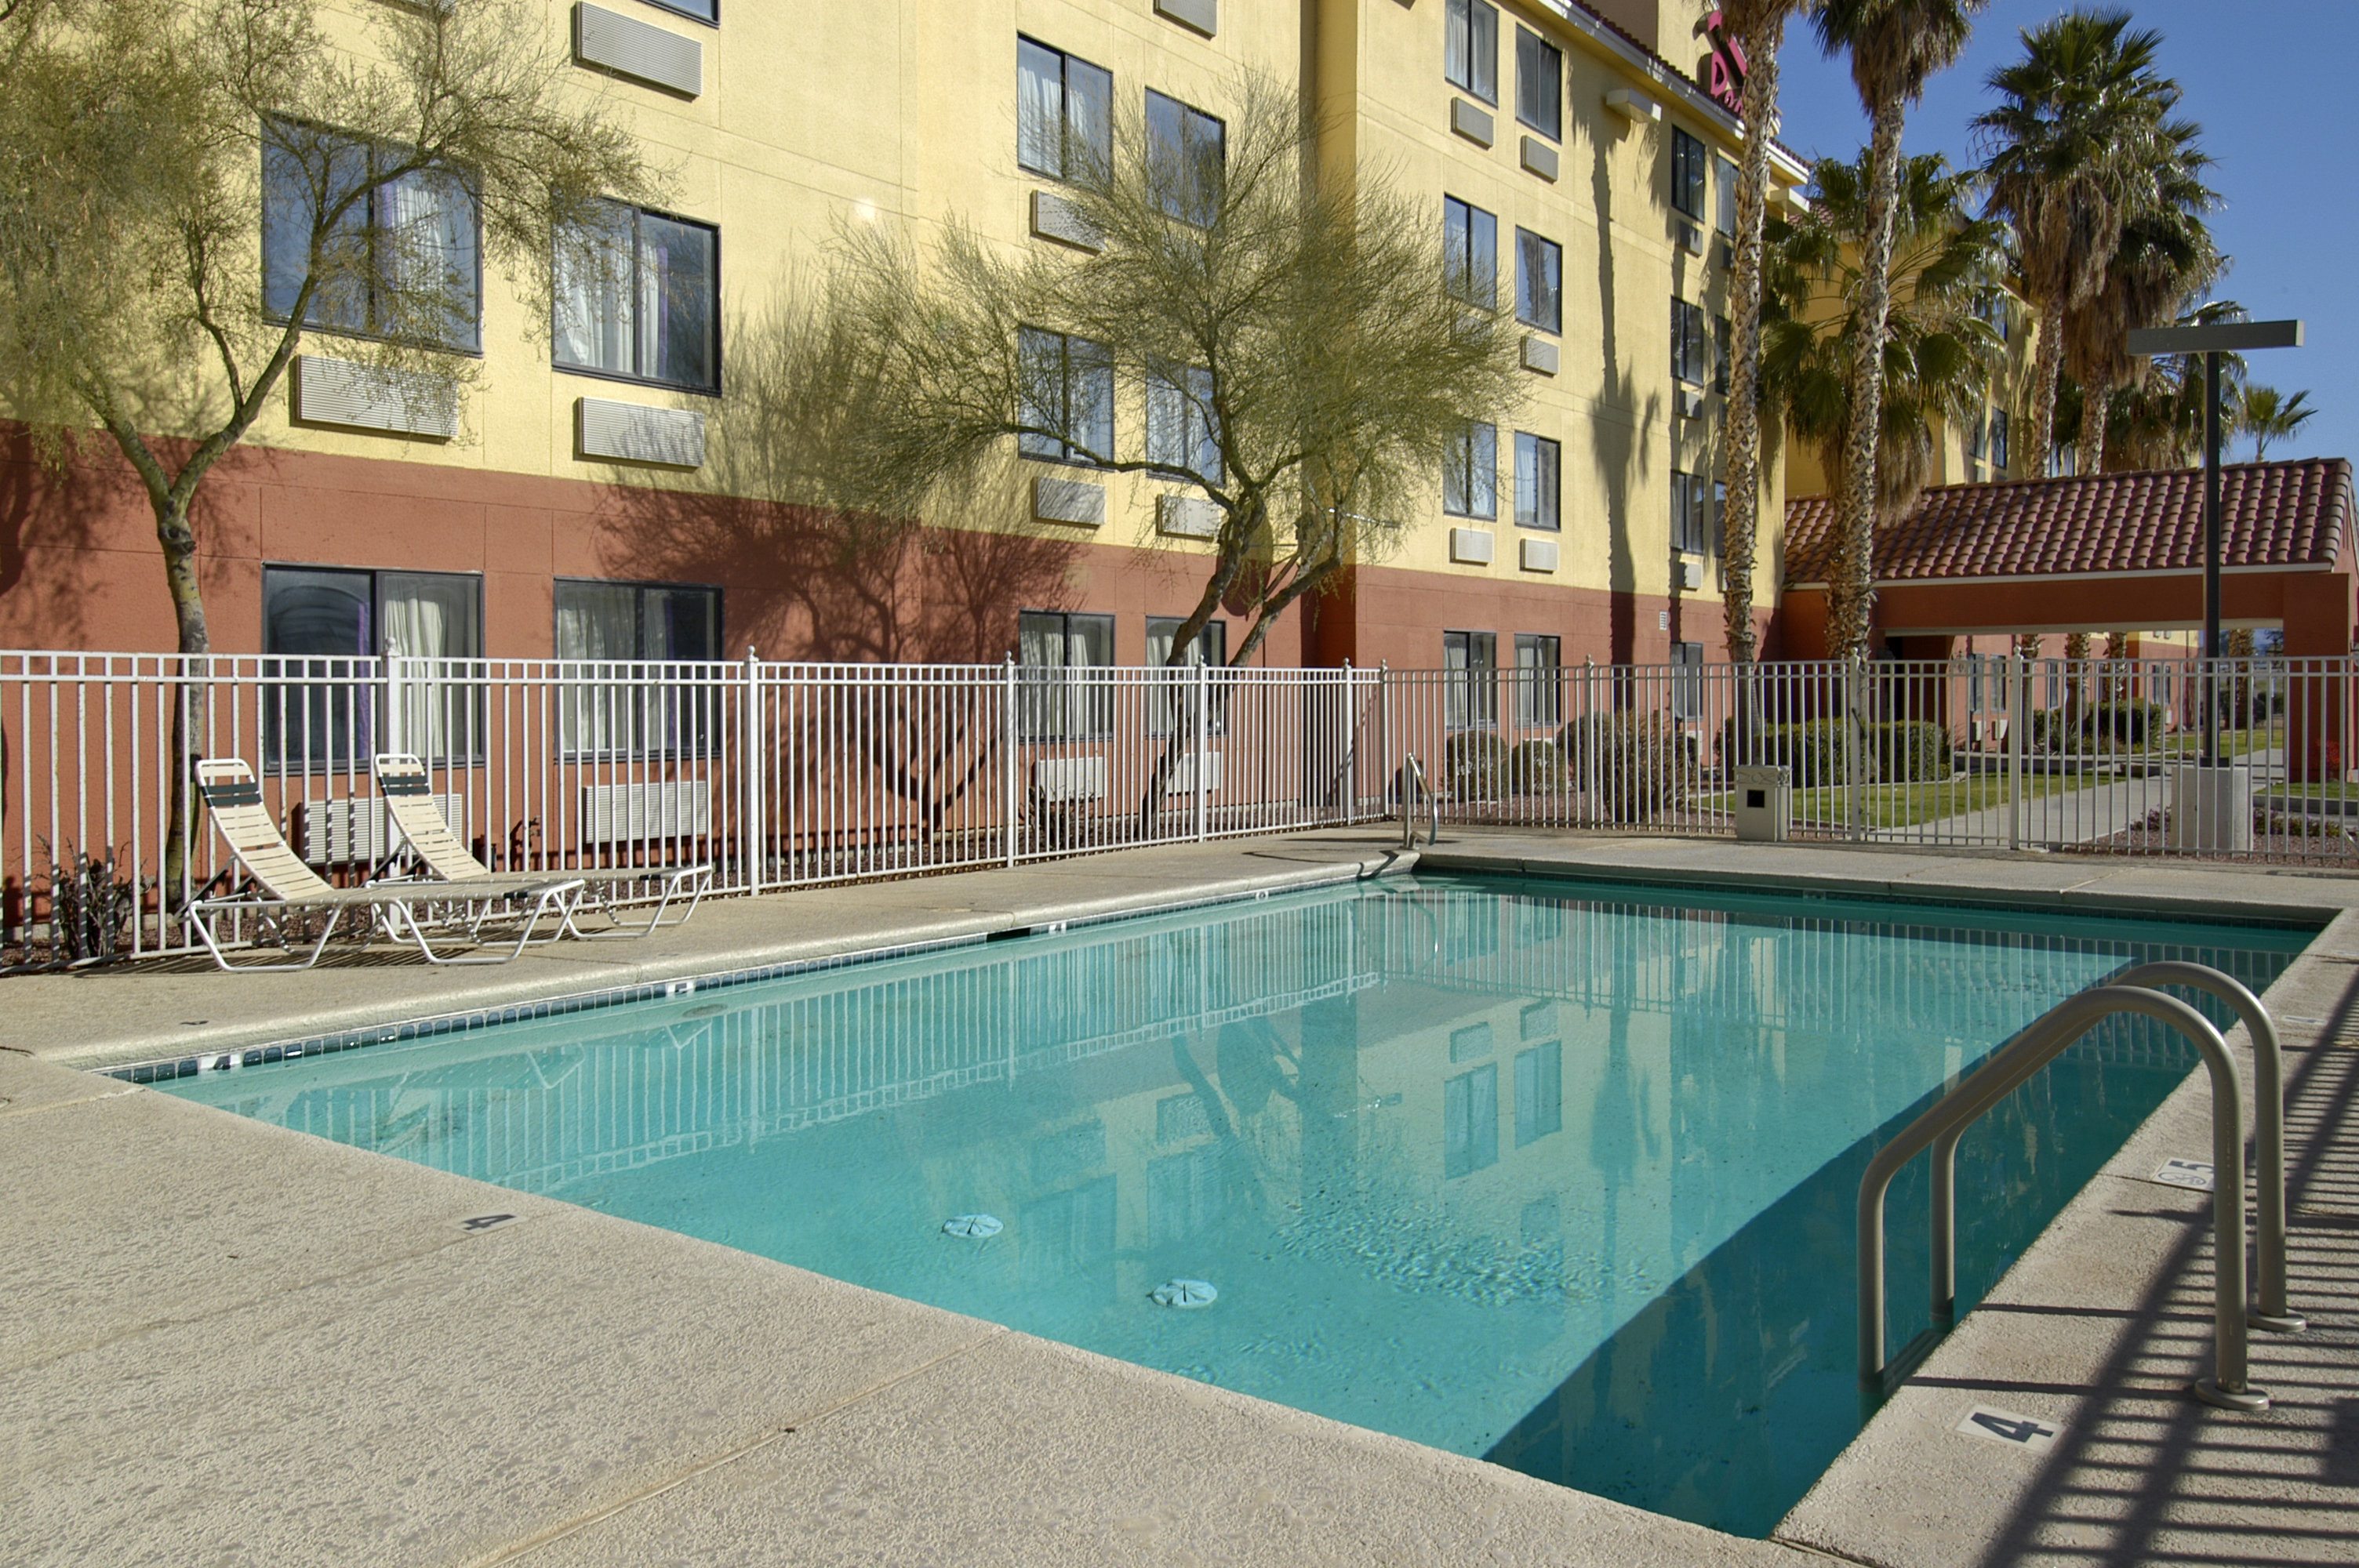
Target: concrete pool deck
(230, 1342)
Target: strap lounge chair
(410, 799)
(405, 912)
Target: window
(1690, 348)
(1687, 174)
(1469, 476)
(1539, 679)
(1724, 186)
(1177, 711)
(1180, 429)
(1539, 1092)
(625, 713)
(1687, 679)
(1064, 114)
(1537, 483)
(1999, 438)
(1540, 84)
(1185, 149)
(1691, 517)
(1470, 697)
(639, 295)
(1470, 251)
(1540, 282)
(702, 10)
(1997, 309)
(1469, 1121)
(1060, 697)
(1470, 48)
(398, 255)
(1067, 397)
(1975, 451)
(1722, 351)
(319, 706)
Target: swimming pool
(1556, 1174)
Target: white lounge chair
(235, 800)
(408, 793)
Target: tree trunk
(190, 712)
(2047, 366)
(2096, 403)
(1853, 590)
(1743, 426)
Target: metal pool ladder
(1412, 781)
(2016, 1063)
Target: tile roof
(2292, 513)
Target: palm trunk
(1742, 522)
(2047, 367)
(1853, 593)
(2096, 403)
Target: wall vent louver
(1186, 517)
(365, 397)
(1054, 218)
(640, 50)
(1074, 501)
(637, 433)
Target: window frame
(635, 377)
(1539, 684)
(1090, 699)
(2001, 440)
(1690, 344)
(682, 8)
(1527, 245)
(686, 731)
(1691, 175)
(1463, 224)
(1174, 704)
(1067, 454)
(1687, 680)
(1547, 501)
(1690, 516)
(1469, 693)
(1544, 53)
(1199, 432)
(1480, 441)
(1189, 117)
(1066, 60)
(1725, 176)
(371, 725)
(1461, 22)
(378, 189)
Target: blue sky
(2263, 78)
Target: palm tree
(1939, 353)
(1759, 27)
(2156, 420)
(1895, 46)
(2072, 153)
(2165, 259)
(2267, 415)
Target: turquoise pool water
(1560, 1175)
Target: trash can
(1764, 803)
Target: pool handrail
(2271, 1312)
(1412, 781)
(2037, 1046)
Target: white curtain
(599, 623)
(427, 262)
(433, 617)
(1040, 108)
(593, 296)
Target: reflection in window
(319, 698)
(1063, 114)
(1470, 691)
(1540, 699)
(1538, 494)
(1469, 253)
(1208, 649)
(1469, 474)
(1185, 154)
(638, 295)
(1539, 1092)
(1061, 696)
(1540, 84)
(617, 708)
(1470, 1122)
(1470, 48)
(1181, 427)
(1540, 282)
(1067, 396)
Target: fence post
(1200, 763)
(2018, 726)
(1853, 722)
(1007, 751)
(750, 761)
(1347, 751)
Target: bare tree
(1307, 357)
(164, 294)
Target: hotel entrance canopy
(2094, 554)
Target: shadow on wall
(806, 582)
(82, 509)
(1618, 446)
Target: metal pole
(2212, 648)
(2018, 727)
(1007, 751)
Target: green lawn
(2327, 790)
(1906, 805)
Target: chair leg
(204, 922)
(698, 879)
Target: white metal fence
(791, 774)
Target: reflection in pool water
(1560, 1175)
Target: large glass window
(1470, 474)
(639, 295)
(1538, 485)
(1059, 656)
(1471, 686)
(1470, 48)
(1470, 251)
(1539, 660)
(1064, 114)
(616, 708)
(1185, 149)
(1068, 399)
(397, 255)
(319, 698)
(1691, 342)
(1210, 649)
(1180, 427)
(1723, 351)
(1687, 679)
(1723, 189)
(1540, 282)
(1690, 513)
(1687, 174)
(1999, 438)
(1540, 84)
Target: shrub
(2125, 723)
(1904, 751)
(1471, 763)
(1910, 751)
(1535, 767)
(1637, 761)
